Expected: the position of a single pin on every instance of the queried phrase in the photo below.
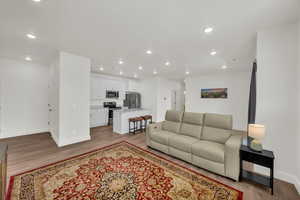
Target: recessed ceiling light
(101, 69)
(167, 63)
(154, 72)
(212, 53)
(187, 72)
(28, 58)
(208, 30)
(31, 36)
(224, 67)
(121, 62)
(135, 75)
(149, 52)
(121, 72)
(140, 67)
(36, 0)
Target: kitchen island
(121, 117)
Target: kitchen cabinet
(134, 85)
(98, 116)
(99, 85)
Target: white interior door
(53, 103)
(174, 100)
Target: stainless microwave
(112, 94)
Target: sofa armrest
(232, 156)
(152, 128)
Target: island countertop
(127, 110)
(121, 118)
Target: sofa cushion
(215, 134)
(182, 142)
(191, 130)
(171, 126)
(173, 121)
(217, 128)
(209, 150)
(192, 124)
(174, 116)
(193, 118)
(218, 121)
(162, 137)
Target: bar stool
(137, 124)
(146, 118)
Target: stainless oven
(111, 107)
(112, 94)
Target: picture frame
(214, 93)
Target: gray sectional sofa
(205, 140)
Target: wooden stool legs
(139, 123)
(146, 118)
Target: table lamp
(257, 132)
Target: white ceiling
(107, 30)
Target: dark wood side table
(264, 158)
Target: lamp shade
(256, 131)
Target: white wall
(54, 100)
(165, 87)
(69, 99)
(149, 92)
(156, 95)
(277, 97)
(238, 84)
(74, 98)
(24, 97)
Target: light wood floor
(32, 151)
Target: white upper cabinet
(97, 88)
(134, 85)
(100, 84)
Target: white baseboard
(73, 141)
(290, 178)
(98, 124)
(297, 185)
(55, 138)
(17, 133)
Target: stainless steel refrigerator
(132, 100)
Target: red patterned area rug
(120, 171)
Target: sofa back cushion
(172, 121)
(192, 124)
(217, 128)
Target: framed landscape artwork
(214, 93)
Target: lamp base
(256, 145)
